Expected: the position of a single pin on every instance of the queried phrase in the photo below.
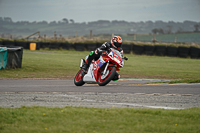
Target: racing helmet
(116, 42)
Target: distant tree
(52, 23)
(158, 31)
(65, 20)
(43, 22)
(1, 21)
(60, 22)
(115, 22)
(169, 31)
(7, 19)
(149, 23)
(155, 31)
(196, 26)
(24, 22)
(34, 22)
(72, 21)
(180, 30)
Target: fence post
(90, 34)
(76, 34)
(154, 38)
(175, 39)
(45, 37)
(134, 37)
(54, 35)
(39, 34)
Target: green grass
(179, 81)
(48, 64)
(96, 120)
(65, 64)
(163, 67)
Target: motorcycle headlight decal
(118, 61)
(122, 63)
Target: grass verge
(114, 120)
(178, 81)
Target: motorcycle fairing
(89, 77)
(92, 74)
(100, 62)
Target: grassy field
(65, 64)
(95, 120)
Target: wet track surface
(128, 93)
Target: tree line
(68, 27)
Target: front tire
(78, 80)
(104, 80)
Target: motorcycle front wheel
(78, 80)
(104, 79)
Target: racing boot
(88, 62)
(85, 67)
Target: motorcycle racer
(116, 43)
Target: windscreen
(117, 52)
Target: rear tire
(78, 80)
(102, 81)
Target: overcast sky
(93, 10)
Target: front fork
(104, 72)
(81, 64)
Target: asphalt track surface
(120, 94)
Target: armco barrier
(37, 46)
(8, 43)
(172, 51)
(127, 48)
(91, 46)
(149, 50)
(54, 45)
(194, 52)
(25, 45)
(99, 44)
(44, 44)
(160, 50)
(79, 46)
(138, 49)
(66, 46)
(14, 57)
(183, 52)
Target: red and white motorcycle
(101, 71)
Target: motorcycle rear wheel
(78, 80)
(102, 81)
